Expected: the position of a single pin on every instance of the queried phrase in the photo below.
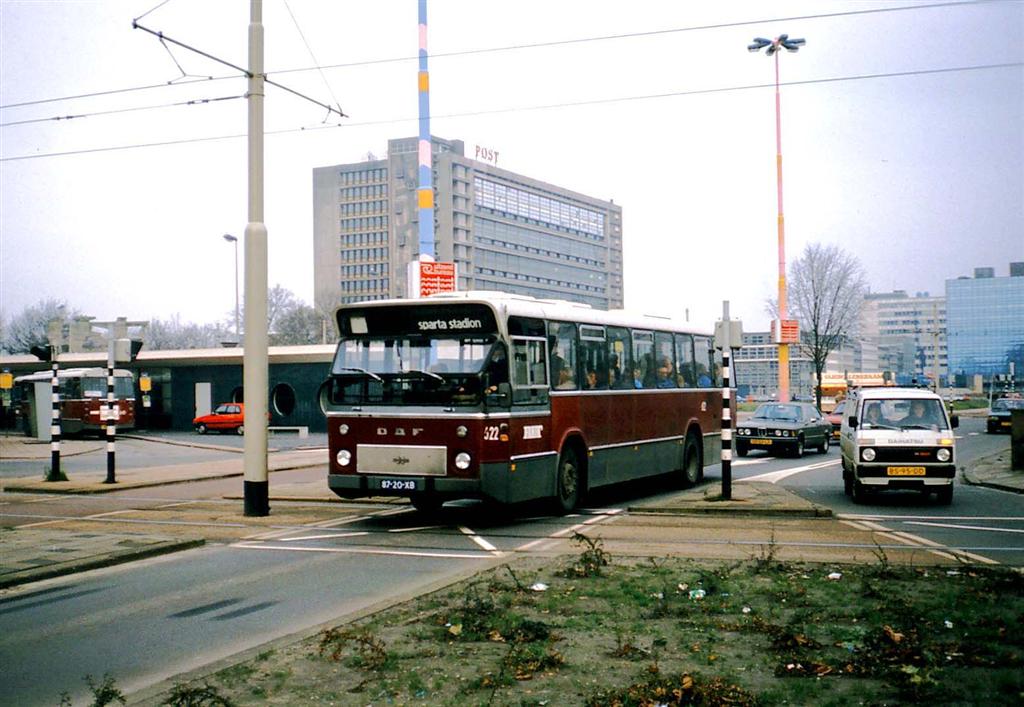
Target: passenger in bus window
(614, 372)
(591, 381)
(650, 372)
(566, 380)
(665, 378)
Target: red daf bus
(83, 393)
(490, 395)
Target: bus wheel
(426, 502)
(859, 492)
(691, 461)
(201, 429)
(568, 482)
(945, 495)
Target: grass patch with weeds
(671, 631)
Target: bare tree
(826, 292)
(28, 328)
(166, 334)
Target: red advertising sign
(436, 277)
(785, 331)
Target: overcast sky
(918, 174)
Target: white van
(899, 438)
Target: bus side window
(705, 362)
(684, 356)
(562, 346)
(620, 368)
(593, 355)
(664, 361)
(529, 371)
(643, 360)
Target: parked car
(1000, 413)
(784, 427)
(227, 417)
(835, 418)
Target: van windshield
(904, 414)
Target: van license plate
(905, 471)
(397, 485)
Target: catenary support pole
(54, 474)
(255, 357)
(726, 414)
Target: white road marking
(413, 530)
(363, 551)
(480, 541)
(776, 476)
(97, 516)
(748, 462)
(917, 541)
(966, 527)
(550, 541)
(321, 537)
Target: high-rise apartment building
(503, 230)
(986, 323)
(908, 332)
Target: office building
(504, 231)
(986, 323)
(756, 366)
(908, 333)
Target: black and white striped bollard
(111, 419)
(726, 428)
(54, 474)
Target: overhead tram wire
(549, 106)
(312, 56)
(192, 102)
(514, 47)
(245, 72)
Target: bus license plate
(905, 471)
(760, 441)
(398, 485)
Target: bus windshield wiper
(917, 427)
(881, 426)
(425, 373)
(365, 372)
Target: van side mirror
(852, 421)
(954, 421)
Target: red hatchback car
(227, 416)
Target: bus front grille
(401, 459)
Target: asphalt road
(986, 523)
(147, 621)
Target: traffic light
(43, 353)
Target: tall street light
(232, 239)
(773, 46)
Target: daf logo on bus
(399, 461)
(532, 431)
(400, 431)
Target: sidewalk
(30, 554)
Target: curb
(703, 509)
(126, 485)
(99, 561)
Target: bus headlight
(461, 431)
(868, 454)
(344, 457)
(943, 455)
(462, 460)
(343, 429)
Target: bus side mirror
(954, 421)
(852, 420)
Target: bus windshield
(416, 370)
